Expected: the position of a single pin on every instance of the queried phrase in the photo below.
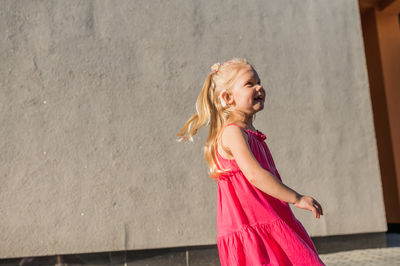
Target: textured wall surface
(92, 94)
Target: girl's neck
(242, 120)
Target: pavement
(389, 256)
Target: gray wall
(93, 92)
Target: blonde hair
(210, 111)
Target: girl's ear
(227, 97)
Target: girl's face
(248, 95)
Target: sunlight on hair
(211, 112)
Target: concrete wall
(93, 93)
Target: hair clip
(215, 67)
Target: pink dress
(253, 227)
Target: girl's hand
(308, 203)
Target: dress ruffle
(258, 134)
(273, 243)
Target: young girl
(254, 221)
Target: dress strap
(234, 125)
(245, 130)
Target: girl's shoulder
(226, 140)
(253, 132)
(234, 127)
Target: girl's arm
(234, 139)
(261, 178)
